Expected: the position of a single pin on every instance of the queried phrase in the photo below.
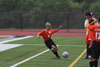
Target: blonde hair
(48, 24)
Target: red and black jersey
(47, 34)
(88, 38)
(95, 32)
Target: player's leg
(95, 63)
(52, 47)
(96, 53)
(90, 57)
(91, 62)
(87, 53)
(55, 50)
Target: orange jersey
(47, 34)
(95, 32)
(87, 41)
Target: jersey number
(98, 35)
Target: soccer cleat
(58, 57)
(86, 57)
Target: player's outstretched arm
(38, 35)
(59, 28)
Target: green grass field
(33, 46)
(5, 38)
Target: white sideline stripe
(4, 47)
(20, 38)
(23, 61)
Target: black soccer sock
(91, 64)
(55, 52)
(95, 63)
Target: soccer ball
(65, 54)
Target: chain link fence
(35, 19)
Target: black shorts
(49, 44)
(96, 50)
(89, 51)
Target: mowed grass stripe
(47, 58)
(15, 55)
(23, 61)
(59, 45)
(77, 59)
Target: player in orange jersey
(88, 15)
(88, 42)
(46, 34)
(95, 41)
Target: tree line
(17, 14)
(27, 5)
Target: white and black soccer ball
(65, 54)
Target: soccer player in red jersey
(46, 34)
(95, 41)
(88, 15)
(88, 42)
